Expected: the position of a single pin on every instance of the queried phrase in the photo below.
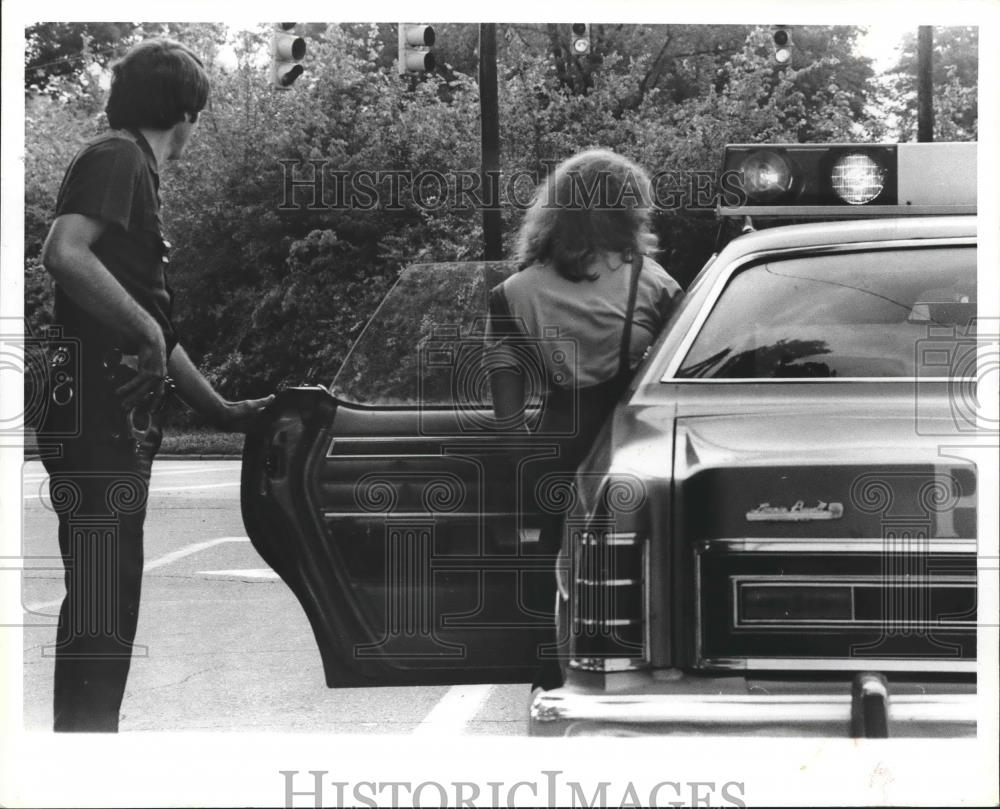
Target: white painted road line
(164, 469)
(156, 489)
(257, 573)
(455, 710)
(166, 559)
(187, 550)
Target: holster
(97, 416)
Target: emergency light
(848, 179)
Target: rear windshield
(887, 313)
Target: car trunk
(821, 541)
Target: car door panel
(401, 536)
(392, 504)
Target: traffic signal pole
(489, 115)
(925, 83)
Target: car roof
(826, 234)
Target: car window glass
(424, 343)
(887, 313)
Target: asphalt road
(222, 643)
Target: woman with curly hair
(589, 300)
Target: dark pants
(572, 418)
(98, 485)
(100, 499)
(542, 589)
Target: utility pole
(925, 83)
(489, 117)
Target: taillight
(608, 603)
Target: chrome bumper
(686, 707)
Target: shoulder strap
(626, 344)
(497, 302)
(502, 320)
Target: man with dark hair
(167, 66)
(108, 256)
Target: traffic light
(415, 42)
(781, 38)
(581, 38)
(287, 51)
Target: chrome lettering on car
(798, 512)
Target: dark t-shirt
(114, 178)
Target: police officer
(108, 256)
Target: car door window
(423, 346)
(875, 314)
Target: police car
(765, 536)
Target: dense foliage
(274, 282)
(955, 71)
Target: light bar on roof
(848, 179)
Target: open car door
(389, 503)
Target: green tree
(60, 52)
(955, 76)
(271, 289)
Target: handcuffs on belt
(143, 428)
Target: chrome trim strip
(383, 456)
(767, 380)
(394, 439)
(608, 582)
(750, 258)
(607, 663)
(853, 545)
(860, 579)
(647, 638)
(803, 663)
(412, 515)
(565, 705)
(475, 439)
(608, 621)
(698, 628)
(851, 582)
(847, 211)
(921, 665)
(610, 538)
(472, 442)
(848, 623)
